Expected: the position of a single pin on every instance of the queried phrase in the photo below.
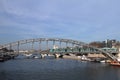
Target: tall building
(110, 43)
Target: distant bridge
(43, 44)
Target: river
(56, 69)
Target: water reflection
(56, 69)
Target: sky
(82, 20)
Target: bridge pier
(47, 44)
(33, 45)
(40, 45)
(18, 46)
(60, 44)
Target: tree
(97, 44)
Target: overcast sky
(83, 20)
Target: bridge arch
(20, 42)
(73, 42)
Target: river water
(56, 69)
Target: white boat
(103, 61)
(84, 58)
(28, 55)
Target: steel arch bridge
(54, 40)
(44, 39)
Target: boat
(28, 56)
(102, 61)
(115, 63)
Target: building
(55, 47)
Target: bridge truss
(47, 41)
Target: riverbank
(91, 57)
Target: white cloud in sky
(85, 20)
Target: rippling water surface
(56, 69)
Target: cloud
(81, 19)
